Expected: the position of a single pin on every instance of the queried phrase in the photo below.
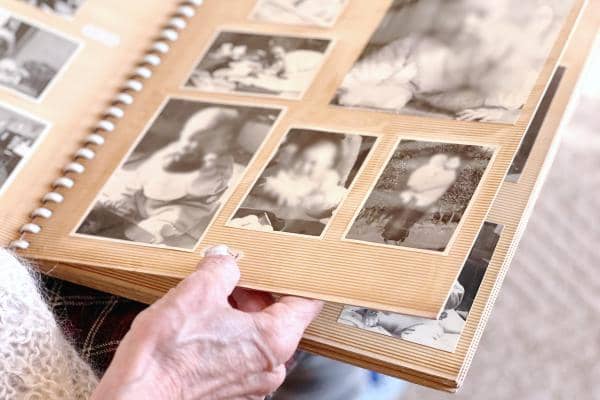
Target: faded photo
(259, 64)
(30, 57)
(304, 182)
(421, 195)
(60, 7)
(300, 12)
(18, 135)
(443, 333)
(177, 177)
(473, 60)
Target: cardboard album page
(347, 151)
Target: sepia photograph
(471, 60)
(299, 12)
(66, 8)
(282, 66)
(177, 177)
(421, 195)
(18, 135)
(304, 182)
(30, 57)
(443, 333)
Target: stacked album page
(348, 151)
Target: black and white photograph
(66, 8)
(299, 12)
(304, 182)
(18, 135)
(421, 195)
(471, 60)
(30, 57)
(251, 63)
(518, 165)
(443, 333)
(178, 176)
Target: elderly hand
(193, 344)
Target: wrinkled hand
(193, 344)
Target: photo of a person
(60, 7)
(18, 135)
(169, 189)
(421, 195)
(472, 60)
(443, 333)
(304, 183)
(30, 57)
(299, 12)
(280, 66)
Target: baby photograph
(273, 65)
(18, 135)
(299, 12)
(169, 188)
(443, 333)
(304, 182)
(472, 60)
(60, 7)
(421, 196)
(30, 57)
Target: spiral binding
(110, 117)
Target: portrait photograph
(304, 182)
(30, 57)
(299, 12)
(421, 195)
(175, 180)
(443, 333)
(65, 8)
(282, 66)
(471, 60)
(18, 135)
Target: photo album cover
(382, 156)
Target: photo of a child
(304, 183)
(421, 195)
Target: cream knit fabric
(36, 360)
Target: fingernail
(218, 250)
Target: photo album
(382, 156)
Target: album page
(435, 353)
(61, 64)
(347, 151)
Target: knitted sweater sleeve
(36, 360)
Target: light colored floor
(543, 339)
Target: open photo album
(382, 156)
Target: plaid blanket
(94, 321)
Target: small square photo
(282, 66)
(422, 195)
(304, 183)
(299, 12)
(30, 57)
